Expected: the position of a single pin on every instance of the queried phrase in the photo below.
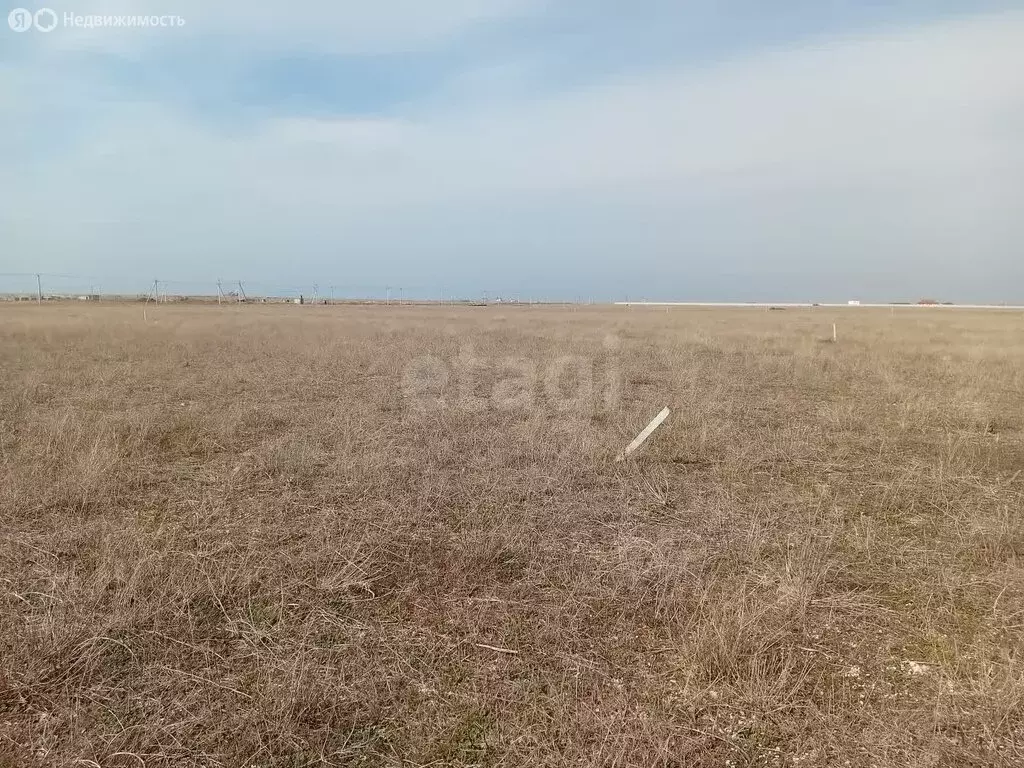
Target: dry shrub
(232, 538)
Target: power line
(161, 289)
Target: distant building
(854, 302)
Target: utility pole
(316, 293)
(387, 294)
(241, 293)
(39, 289)
(220, 292)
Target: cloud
(897, 151)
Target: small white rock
(917, 667)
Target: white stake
(833, 333)
(642, 437)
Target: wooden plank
(642, 437)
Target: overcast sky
(672, 149)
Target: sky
(705, 150)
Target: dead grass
(229, 539)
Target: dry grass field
(329, 536)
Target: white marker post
(834, 333)
(642, 437)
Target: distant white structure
(853, 303)
(762, 305)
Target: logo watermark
(47, 19)
(473, 384)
